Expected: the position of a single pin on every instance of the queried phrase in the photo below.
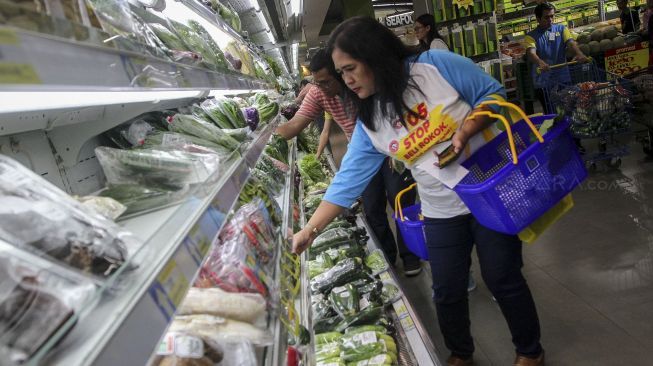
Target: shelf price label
(407, 323)
(400, 308)
(169, 289)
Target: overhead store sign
(626, 60)
(397, 20)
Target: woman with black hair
(405, 101)
(427, 34)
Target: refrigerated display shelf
(127, 324)
(31, 61)
(414, 343)
(275, 355)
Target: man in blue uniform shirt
(546, 46)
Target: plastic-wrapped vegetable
(331, 238)
(322, 309)
(376, 262)
(389, 293)
(369, 316)
(228, 14)
(214, 301)
(224, 112)
(378, 360)
(345, 300)
(345, 271)
(190, 125)
(139, 198)
(196, 43)
(170, 39)
(179, 349)
(38, 217)
(105, 206)
(360, 346)
(169, 139)
(156, 167)
(268, 111)
(220, 329)
(327, 351)
(216, 55)
(251, 116)
(311, 169)
(328, 337)
(327, 324)
(34, 304)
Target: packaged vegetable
(376, 262)
(183, 349)
(329, 337)
(215, 55)
(378, 360)
(390, 293)
(38, 217)
(331, 362)
(224, 112)
(345, 300)
(214, 301)
(311, 169)
(327, 351)
(220, 329)
(196, 43)
(191, 125)
(105, 206)
(360, 346)
(139, 198)
(345, 271)
(331, 238)
(156, 167)
(369, 316)
(169, 38)
(366, 328)
(172, 139)
(326, 324)
(322, 309)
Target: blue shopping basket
(514, 179)
(411, 225)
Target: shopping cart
(642, 98)
(597, 104)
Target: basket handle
(398, 201)
(503, 119)
(557, 66)
(514, 108)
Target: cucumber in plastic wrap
(328, 337)
(382, 359)
(376, 262)
(156, 167)
(327, 351)
(172, 138)
(345, 300)
(322, 309)
(369, 316)
(326, 324)
(139, 198)
(331, 238)
(345, 271)
(191, 125)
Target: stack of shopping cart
(598, 104)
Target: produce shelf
(413, 341)
(31, 61)
(126, 326)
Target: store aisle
(591, 276)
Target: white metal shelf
(126, 326)
(40, 62)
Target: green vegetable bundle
(166, 36)
(278, 148)
(161, 138)
(311, 169)
(216, 56)
(139, 198)
(191, 125)
(225, 113)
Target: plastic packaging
(38, 217)
(224, 112)
(138, 198)
(219, 330)
(191, 125)
(156, 167)
(105, 206)
(214, 301)
(186, 349)
(376, 262)
(34, 304)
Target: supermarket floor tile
(591, 275)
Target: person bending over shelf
(393, 88)
(327, 96)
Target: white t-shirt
(438, 44)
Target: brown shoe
(527, 361)
(457, 361)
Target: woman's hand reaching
(301, 241)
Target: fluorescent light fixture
(295, 56)
(295, 6)
(36, 101)
(228, 92)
